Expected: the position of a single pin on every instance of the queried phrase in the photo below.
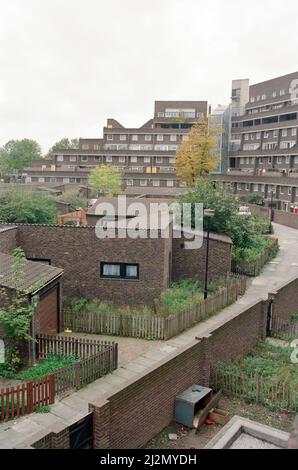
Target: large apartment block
(146, 156)
(263, 148)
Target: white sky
(68, 65)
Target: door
(81, 433)
(47, 317)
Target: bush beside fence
(254, 268)
(255, 387)
(26, 398)
(96, 358)
(139, 326)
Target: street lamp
(271, 210)
(209, 213)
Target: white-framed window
(172, 160)
(281, 190)
(66, 180)
(122, 147)
(284, 132)
(155, 183)
(279, 160)
(72, 158)
(294, 131)
(147, 159)
(121, 159)
(135, 137)
(258, 98)
(252, 99)
(258, 135)
(159, 137)
(252, 137)
(287, 144)
(41, 179)
(84, 158)
(170, 183)
(143, 182)
(274, 94)
(172, 148)
(148, 138)
(282, 92)
(173, 137)
(266, 135)
(256, 188)
(129, 183)
(289, 191)
(242, 160)
(296, 159)
(53, 179)
(185, 137)
(275, 133)
(287, 160)
(134, 159)
(263, 188)
(246, 136)
(260, 161)
(60, 158)
(264, 97)
(269, 160)
(122, 137)
(109, 158)
(110, 137)
(158, 159)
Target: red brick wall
(8, 240)
(79, 252)
(132, 416)
(190, 264)
(285, 303)
(286, 218)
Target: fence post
(257, 387)
(29, 397)
(51, 389)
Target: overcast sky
(68, 65)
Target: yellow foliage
(195, 156)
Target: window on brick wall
(119, 270)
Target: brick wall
(285, 303)
(190, 264)
(8, 240)
(79, 252)
(137, 412)
(286, 218)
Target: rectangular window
(173, 138)
(147, 159)
(246, 136)
(85, 147)
(135, 137)
(284, 132)
(122, 137)
(66, 180)
(148, 138)
(170, 183)
(294, 131)
(41, 180)
(134, 159)
(60, 158)
(109, 159)
(84, 158)
(122, 159)
(275, 134)
(247, 187)
(159, 137)
(155, 182)
(110, 137)
(129, 183)
(172, 160)
(266, 135)
(279, 160)
(78, 180)
(258, 135)
(158, 159)
(119, 270)
(143, 182)
(72, 158)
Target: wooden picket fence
(284, 329)
(254, 269)
(155, 327)
(26, 398)
(255, 387)
(69, 346)
(96, 358)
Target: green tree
(105, 180)
(74, 199)
(195, 156)
(16, 155)
(17, 206)
(65, 143)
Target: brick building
(145, 156)
(125, 271)
(263, 150)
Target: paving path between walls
(27, 430)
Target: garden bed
(266, 375)
(250, 261)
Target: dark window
(119, 270)
(41, 261)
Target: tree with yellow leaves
(105, 180)
(195, 156)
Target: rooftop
(33, 275)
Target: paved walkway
(29, 429)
